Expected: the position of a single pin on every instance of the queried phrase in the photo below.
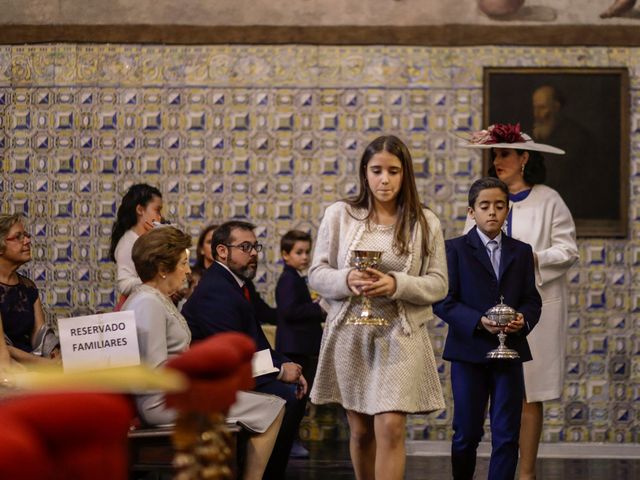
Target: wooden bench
(150, 451)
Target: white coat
(543, 221)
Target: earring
(163, 276)
(522, 170)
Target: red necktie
(245, 291)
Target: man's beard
(543, 130)
(247, 272)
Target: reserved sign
(99, 341)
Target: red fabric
(217, 368)
(216, 356)
(121, 300)
(22, 453)
(245, 292)
(72, 435)
(210, 395)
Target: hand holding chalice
(361, 260)
(501, 315)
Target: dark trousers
(293, 413)
(309, 364)
(473, 385)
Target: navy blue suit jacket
(299, 318)
(218, 305)
(474, 288)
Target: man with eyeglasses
(224, 300)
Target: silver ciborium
(361, 260)
(502, 314)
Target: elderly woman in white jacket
(540, 218)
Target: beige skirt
(252, 411)
(255, 411)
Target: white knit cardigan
(424, 281)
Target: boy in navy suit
(485, 265)
(299, 329)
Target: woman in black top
(20, 307)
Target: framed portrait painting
(585, 112)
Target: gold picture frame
(584, 111)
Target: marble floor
(330, 461)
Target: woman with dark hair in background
(538, 216)
(141, 206)
(380, 371)
(204, 257)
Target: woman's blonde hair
(6, 222)
(159, 250)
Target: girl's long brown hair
(409, 206)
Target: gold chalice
(361, 260)
(502, 314)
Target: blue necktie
(492, 246)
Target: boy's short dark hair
(486, 183)
(222, 234)
(290, 238)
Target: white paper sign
(99, 341)
(262, 363)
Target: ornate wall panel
(273, 135)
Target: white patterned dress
(374, 369)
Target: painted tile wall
(273, 135)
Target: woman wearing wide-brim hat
(539, 217)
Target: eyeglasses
(18, 237)
(246, 247)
